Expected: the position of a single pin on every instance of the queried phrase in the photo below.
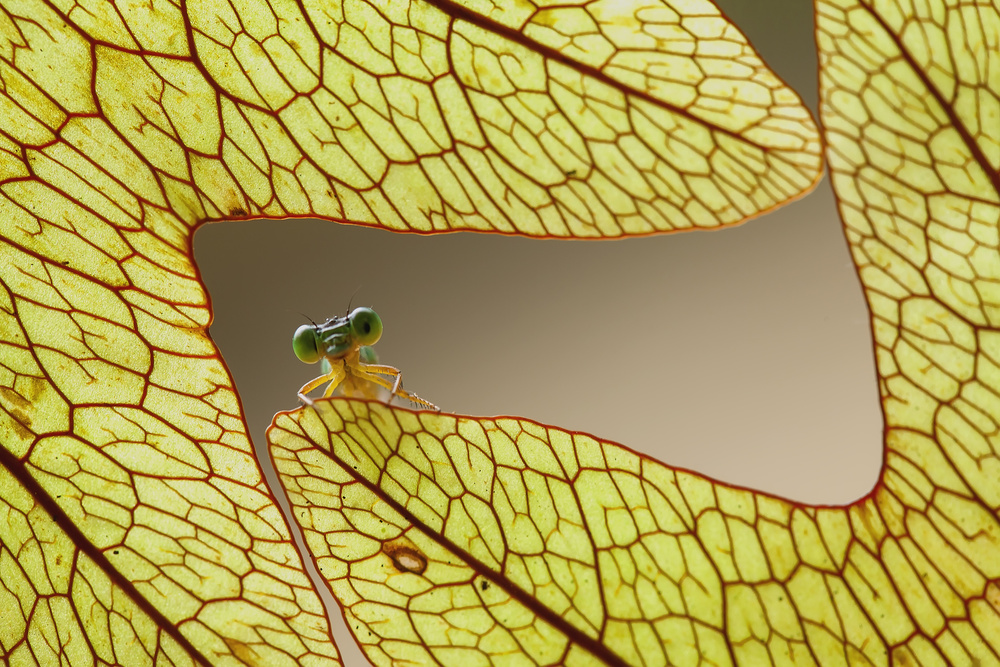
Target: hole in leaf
(751, 362)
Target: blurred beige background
(744, 354)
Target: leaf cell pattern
(140, 516)
(488, 541)
(605, 120)
(911, 110)
(462, 541)
(128, 482)
(46, 578)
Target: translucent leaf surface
(138, 525)
(477, 541)
(610, 119)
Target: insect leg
(373, 373)
(334, 377)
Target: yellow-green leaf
(483, 541)
(477, 541)
(468, 540)
(597, 120)
(126, 463)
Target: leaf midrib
(465, 14)
(572, 633)
(82, 543)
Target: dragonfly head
(337, 336)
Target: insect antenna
(351, 300)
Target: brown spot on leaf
(901, 656)
(993, 596)
(245, 653)
(17, 406)
(405, 556)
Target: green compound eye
(305, 344)
(366, 327)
